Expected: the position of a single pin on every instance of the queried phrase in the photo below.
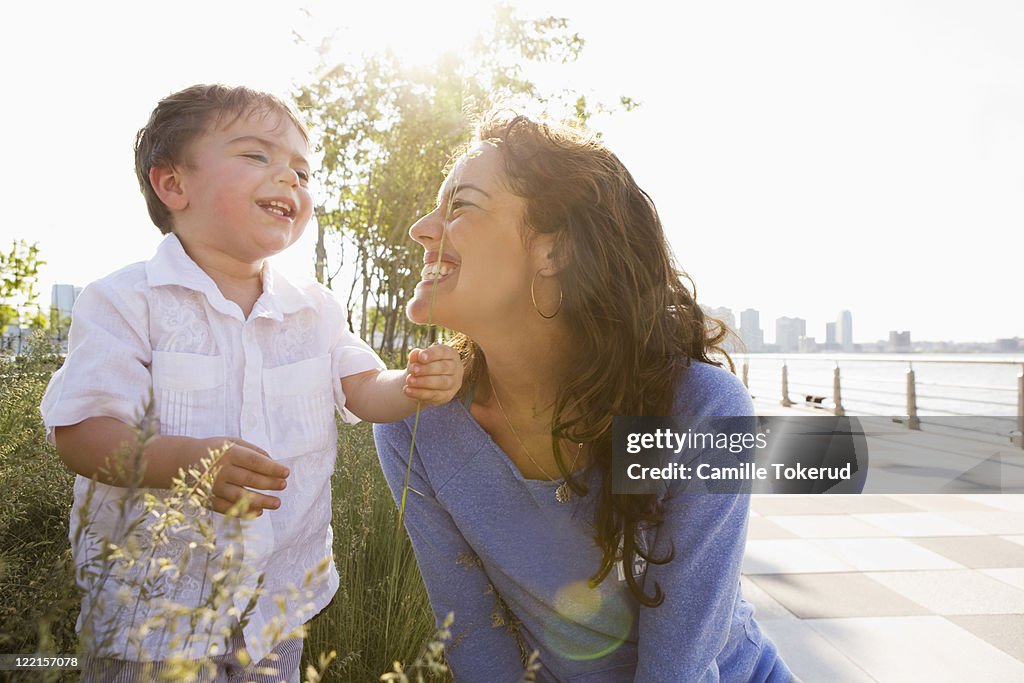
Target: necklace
(563, 494)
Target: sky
(806, 156)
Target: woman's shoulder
(431, 423)
(445, 436)
(709, 390)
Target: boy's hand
(241, 468)
(434, 374)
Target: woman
(552, 265)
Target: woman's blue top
(512, 563)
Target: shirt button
(250, 421)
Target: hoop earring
(533, 297)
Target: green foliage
(38, 600)
(429, 664)
(388, 131)
(368, 628)
(19, 275)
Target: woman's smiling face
(481, 274)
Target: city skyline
(838, 335)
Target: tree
(388, 132)
(19, 275)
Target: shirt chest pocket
(300, 407)
(189, 392)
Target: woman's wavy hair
(632, 314)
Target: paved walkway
(890, 588)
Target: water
(876, 384)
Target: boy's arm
(433, 376)
(104, 448)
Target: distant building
(728, 319)
(750, 330)
(807, 345)
(1008, 345)
(899, 341)
(62, 300)
(788, 332)
(721, 313)
(725, 315)
(844, 331)
(830, 337)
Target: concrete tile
(954, 591)
(905, 649)
(1013, 576)
(822, 596)
(761, 528)
(885, 554)
(1005, 631)
(828, 526)
(1005, 522)
(826, 504)
(765, 606)
(790, 555)
(1014, 539)
(976, 552)
(943, 502)
(788, 504)
(809, 655)
(918, 524)
(1002, 501)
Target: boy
(234, 356)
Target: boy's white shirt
(273, 380)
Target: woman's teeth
(436, 271)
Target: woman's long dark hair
(634, 321)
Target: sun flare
(418, 33)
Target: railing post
(1018, 437)
(837, 393)
(785, 387)
(912, 421)
(746, 370)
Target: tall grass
(39, 601)
(373, 557)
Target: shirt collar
(172, 266)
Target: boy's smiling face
(242, 195)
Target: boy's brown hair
(181, 117)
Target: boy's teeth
(435, 271)
(280, 208)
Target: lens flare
(592, 623)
